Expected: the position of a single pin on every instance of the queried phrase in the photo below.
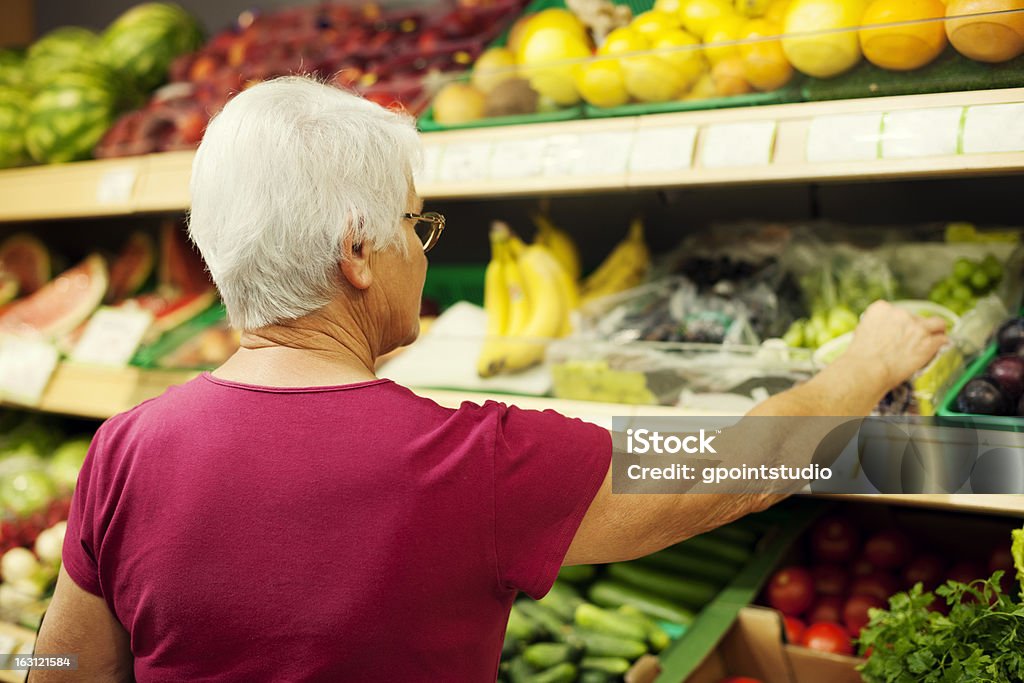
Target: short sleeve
(547, 470)
(79, 552)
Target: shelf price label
(917, 133)
(26, 366)
(730, 145)
(844, 137)
(992, 128)
(427, 173)
(116, 185)
(463, 161)
(605, 153)
(517, 159)
(663, 149)
(112, 336)
(561, 155)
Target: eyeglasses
(428, 227)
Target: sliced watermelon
(170, 310)
(61, 305)
(132, 268)
(27, 259)
(181, 266)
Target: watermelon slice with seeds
(60, 305)
(131, 268)
(27, 259)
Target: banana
(496, 299)
(548, 305)
(625, 267)
(560, 244)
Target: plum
(1007, 371)
(982, 397)
(1010, 336)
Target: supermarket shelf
(593, 155)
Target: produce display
(996, 384)
(599, 623)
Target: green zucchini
(736, 535)
(549, 622)
(595, 676)
(717, 548)
(593, 618)
(603, 645)
(657, 638)
(510, 647)
(547, 655)
(609, 665)
(577, 573)
(690, 565)
(520, 627)
(562, 599)
(560, 673)
(690, 592)
(517, 670)
(610, 594)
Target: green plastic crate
(427, 124)
(948, 415)
(149, 355)
(792, 92)
(447, 284)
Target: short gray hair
(284, 174)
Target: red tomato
(888, 549)
(855, 612)
(828, 608)
(827, 637)
(791, 591)
(794, 629)
(878, 584)
(830, 579)
(926, 570)
(862, 567)
(834, 539)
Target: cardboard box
(17, 23)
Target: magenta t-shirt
(351, 533)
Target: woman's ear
(355, 264)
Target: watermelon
(132, 268)
(61, 305)
(181, 267)
(12, 67)
(13, 121)
(70, 115)
(142, 42)
(61, 50)
(26, 259)
(171, 309)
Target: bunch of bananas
(528, 295)
(625, 267)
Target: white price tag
(465, 161)
(844, 137)
(561, 154)
(728, 145)
(604, 153)
(663, 149)
(116, 185)
(25, 369)
(517, 159)
(427, 173)
(994, 128)
(112, 336)
(921, 133)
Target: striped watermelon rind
(142, 42)
(12, 68)
(68, 117)
(62, 49)
(14, 104)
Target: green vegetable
(545, 618)
(547, 655)
(593, 618)
(689, 564)
(609, 594)
(608, 665)
(602, 645)
(578, 573)
(690, 592)
(521, 627)
(982, 638)
(510, 647)
(517, 670)
(562, 673)
(657, 638)
(595, 676)
(716, 548)
(562, 599)
(735, 534)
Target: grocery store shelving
(595, 155)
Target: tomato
(791, 591)
(926, 570)
(827, 608)
(855, 612)
(878, 584)
(830, 579)
(862, 567)
(827, 637)
(834, 539)
(794, 629)
(888, 549)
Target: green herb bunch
(981, 640)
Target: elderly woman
(290, 516)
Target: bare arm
(889, 346)
(80, 623)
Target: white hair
(284, 174)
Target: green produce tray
(448, 284)
(948, 415)
(787, 522)
(149, 355)
(788, 94)
(427, 124)
(950, 72)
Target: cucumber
(609, 594)
(602, 645)
(689, 565)
(595, 676)
(737, 535)
(716, 547)
(593, 618)
(549, 622)
(609, 665)
(520, 627)
(690, 592)
(517, 670)
(547, 655)
(577, 573)
(561, 673)
(510, 647)
(657, 638)
(562, 600)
